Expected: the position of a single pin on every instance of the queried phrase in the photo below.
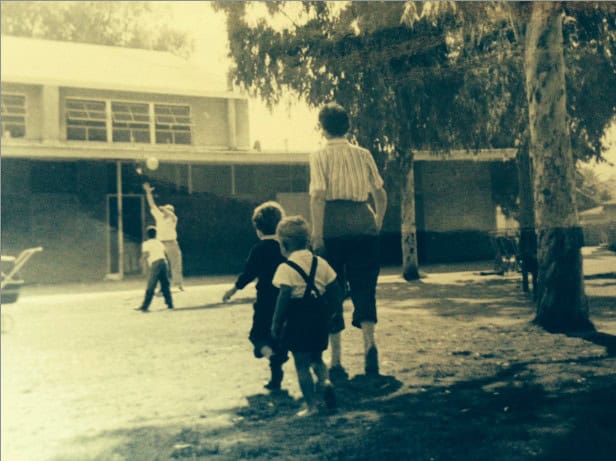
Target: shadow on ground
(483, 298)
(497, 417)
(470, 388)
(492, 297)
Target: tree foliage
(129, 24)
(423, 75)
(589, 31)
(591, 189)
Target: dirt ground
(465, 376)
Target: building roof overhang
(76, 150)
(81, 65)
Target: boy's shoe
(272, 386)
(170, 307)
(329, 396)
(372, 361)
(306, 411)
(141, 309)
(338, 373)
(276, 376)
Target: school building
(79, 120)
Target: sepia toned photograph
(308, 230)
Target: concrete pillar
(231, 123)
(50, 104)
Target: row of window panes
(86, 121)
(13, 115)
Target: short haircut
(334, 119)
(293, 233)
(151, 232)
(266, 217)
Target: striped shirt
(343, 171)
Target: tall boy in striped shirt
(342, 178)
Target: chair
(10, 283)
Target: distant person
(166, 224)
(309, 296)
(153, 254)
(263, 259)
(342, 177)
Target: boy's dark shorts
(356, 261)
(307, 357)
(260, 333)
(337, 322)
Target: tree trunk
(526, 218)
(410, 267)
(561, 303)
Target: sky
(291, 126)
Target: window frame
(25, 115)
(130, 129)
(112, 123)
(170, 130)
(87, 128)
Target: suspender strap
(309, 279)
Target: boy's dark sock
(276, 375)
(372, 361)
(329, 395)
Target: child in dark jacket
(263, 259)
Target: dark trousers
(352, 249)
(355, 260)
(159, 272)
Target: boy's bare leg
(367, 329)
(306, 384)
(335, 344)
(320, 370)
(324, 384)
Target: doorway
(133, 233)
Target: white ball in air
(151, 163)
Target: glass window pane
(13, 119)
(139, 108)
(121, 135)
(183, 138)
(76, 133)
(97, 134)
(141, 136)
(164, 137)
(17, 131)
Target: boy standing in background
(153, 253)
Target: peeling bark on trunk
(561, 303)
(410, 267)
